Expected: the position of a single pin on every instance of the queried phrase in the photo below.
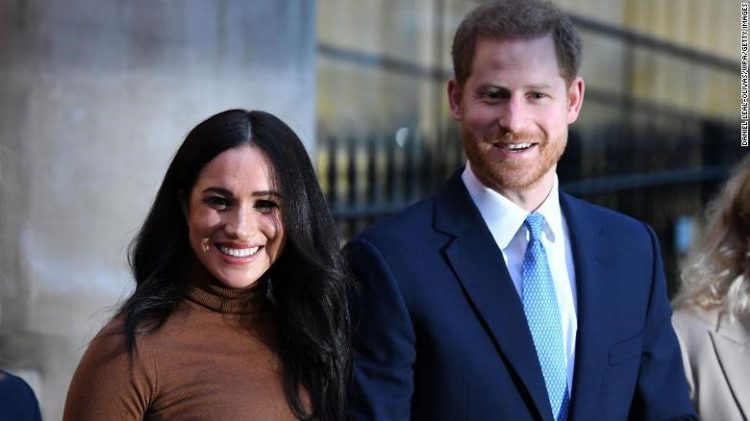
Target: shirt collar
(504, 218)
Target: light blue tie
(543, 316)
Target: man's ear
(454, 98)
(575, 98)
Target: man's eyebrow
(539, 86)
(496, 85)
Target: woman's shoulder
(699, 328)
(113, 334)
(108, 348)
(694, 317)
(112, 340)
(693, 327)
(113, 330)
(110, 381)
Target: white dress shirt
(505, 221)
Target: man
(502, 297)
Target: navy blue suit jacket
(17, 400)
(442, 335)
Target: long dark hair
(309, 279)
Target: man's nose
(512, 116)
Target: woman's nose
(241, 223)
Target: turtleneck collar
(218, 297)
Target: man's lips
(516, 146)
(519, 146)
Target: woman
(712, 320)
(240, 308)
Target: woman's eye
(216, 202)
(266, 205)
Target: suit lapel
(588, 244)
(479, 266)
(732, 344)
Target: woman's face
(234, 217)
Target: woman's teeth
(239, 252)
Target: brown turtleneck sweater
(212, 359)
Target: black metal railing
(365, 180)
(649, 160)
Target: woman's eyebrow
(267, 193)
(219, 190)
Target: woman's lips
(238, 252)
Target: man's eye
(216, 202)
(537, 95)
(494, 95)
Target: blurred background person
(712, 317)
(17, 400)
(240, 309)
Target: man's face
(514, 111)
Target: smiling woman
(240, 309)
(233, 217)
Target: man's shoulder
(593, 213)
(411, 221)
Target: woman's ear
(183, 200)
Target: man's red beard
(504, 174)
